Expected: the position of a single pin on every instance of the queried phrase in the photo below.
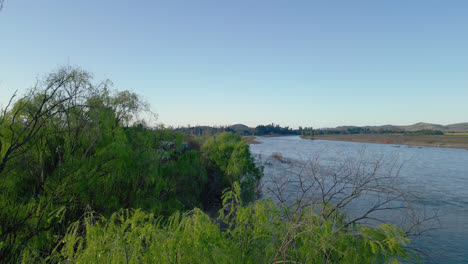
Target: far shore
(251, 140)
(441, 141)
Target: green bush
(256, 233)
(229, 160)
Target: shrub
(228, 160)
(255, 233)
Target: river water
(435, 179)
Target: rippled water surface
(437, 179)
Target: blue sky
(308, 63)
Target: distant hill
(460, 127)
(424, 126)
(243, 130)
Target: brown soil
(442, 141)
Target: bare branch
(330, 187)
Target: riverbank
(441, 141)
(251, 140)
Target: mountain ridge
(457, 127)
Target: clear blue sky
(306, 63)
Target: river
(435, 179)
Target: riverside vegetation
(84, 180)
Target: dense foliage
(255, 233)
(228, 155)
(273, 129)
(84, 180)
(70, 146)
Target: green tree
(229, 160)
(68, 146)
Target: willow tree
(229, 160)
(65, 150)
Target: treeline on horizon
(83, 179)
(277, 130)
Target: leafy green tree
(69, 146)
(229, 160)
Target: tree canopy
(71, 146)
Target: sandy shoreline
(441, 141)
(250, 140)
